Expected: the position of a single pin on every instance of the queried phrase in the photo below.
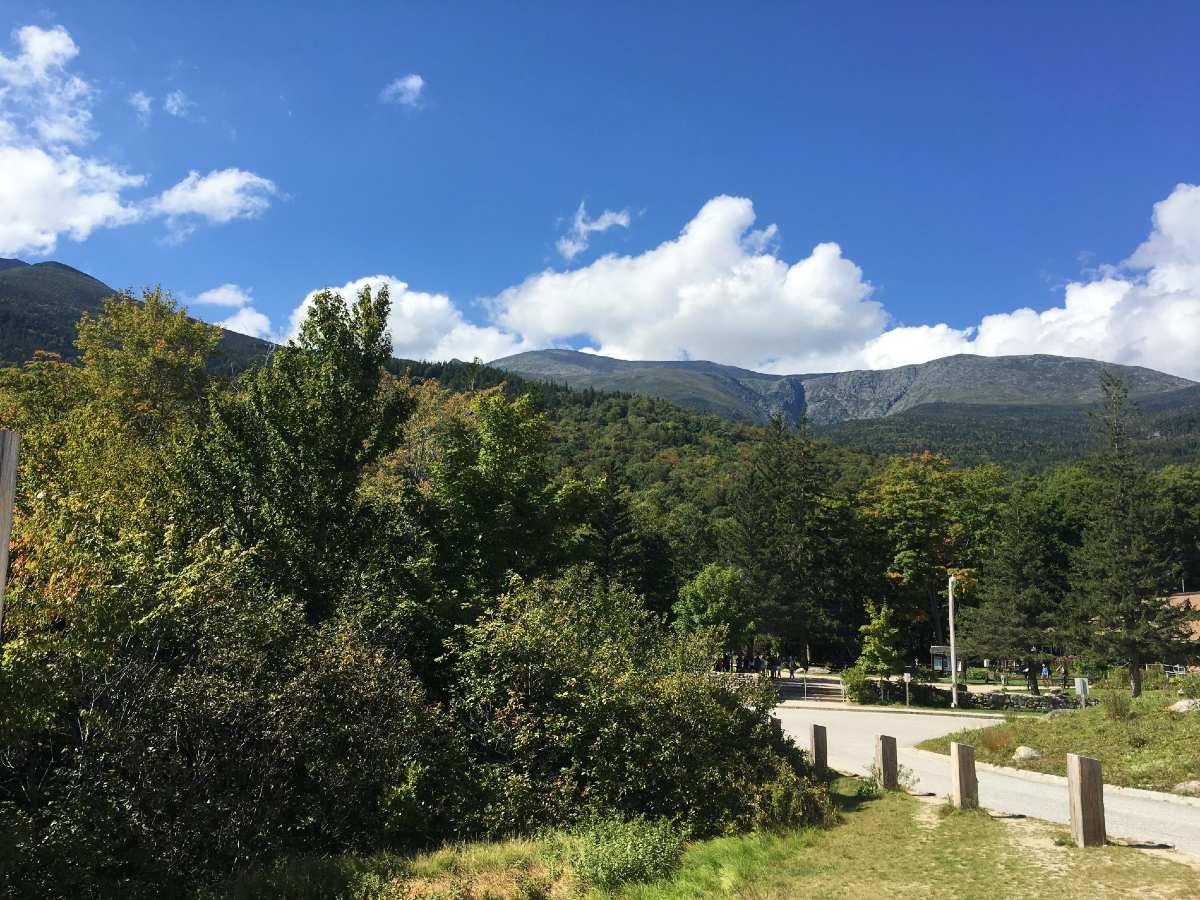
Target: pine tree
(1123, 570)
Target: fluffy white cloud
(44, 194)
(177, 104)
(405, 91)
(248, 320)
(143, 105)
(711, 293)
(228, 294)
(720, 291)
(218, 197)
(423, 326)
(49, 187)
(576, 240)
(1145, 311)
(38, 95)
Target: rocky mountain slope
(828, 398)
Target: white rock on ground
(1186, 706)
(1024, 752)
(1187, 788)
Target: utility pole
(953, 651)
(9, 442)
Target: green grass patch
(1139, 743)
(886, 845)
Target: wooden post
(885, 762)
(1085, 785)
(818, 748)
(964, 786)
(9, 442)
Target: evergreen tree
(1124, 569)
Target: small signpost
(9, 443)
(907, 682)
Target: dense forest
(341, 603)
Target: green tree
(280, 462)
(1021, 586)
(718, 597)
(792, 536)
(882, 647)
(1124, 568)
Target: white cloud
(227, 294)
(575, 241)
(38, 95)
(711, 293)
(142, 104)
(218, 197)
(1145, 311)
(405, 91)
(423, 326)
(248, 320)
(178, 104)
(721, 291)
(44, 194)
(50, 188)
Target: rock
(1055, 713)
(1186, 706)
(1024, 752)
(1187, 788)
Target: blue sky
(966, 159)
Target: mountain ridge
(832, 397)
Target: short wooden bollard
(964, 786)
(886, 770)
(818, 748)
(1085, 784)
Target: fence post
(885, 762)
(1085, 785)
(964, 786)
(9, 442)
(819, 748)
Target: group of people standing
(757, 665)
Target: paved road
(1130, 814)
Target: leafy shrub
(1189, 685)
(1118, 705)
(1154, 679)
(860, 687)
(610, 851)
(575, 696)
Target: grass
(1147, 747)
(892, 845)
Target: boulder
(1183, 706)
(1187, 788)
(1026, 753)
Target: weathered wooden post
(964, 786)
(1085, 785)
(886, 769)
(818, 748)
(9, 442)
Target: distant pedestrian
(1045, 675)
(791, 667)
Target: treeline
(344, 604)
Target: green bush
(1189, 685)
(1118, 705)
(610, 851)
(859, 686)
(575, 696)
(1154, 679)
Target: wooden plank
(1085, 786)
(818, 748)
(9, 444)
(886, 768)
(964, 785)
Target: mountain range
(1030, 410)
(831, 398)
